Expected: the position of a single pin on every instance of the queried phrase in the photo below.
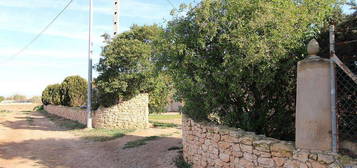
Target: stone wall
(131, 114)
(207, 145)
(71, 113)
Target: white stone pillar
(313, 106)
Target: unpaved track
(40, 143)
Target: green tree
(234, 61)
(52, 95)
(2, 98)
(127, 67)
(160, 95)
(74, 91)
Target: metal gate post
(333, 90)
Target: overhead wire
(169, 1)
(40, 33)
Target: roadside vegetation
(180, 161)
(144, 141)
(29, 120)
(139, 142)
(163, 125)
(101, 135)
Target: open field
(18, 107)
(173, 118)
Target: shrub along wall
(71, 92)
(130, 114)
(206, 145)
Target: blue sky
(62, 50)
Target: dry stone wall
(71, 113)
(206, 145)
(131, 114)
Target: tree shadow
(39, 123)
(77, 153)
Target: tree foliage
(71, 92)
(234, 61)
(127, 68)
(2, 98)
(74, 91)
(52, 95)
(159, 96)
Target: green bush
(74, 91)
(234, 61)
(160, 95)
(127, 68)
(52, 95)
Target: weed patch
(163, 125)
(29, 120)
(174, 148)
(38, 108)
(101, 134)
(180, 161)
(5, 111)
(139, 142)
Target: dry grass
(17, 107)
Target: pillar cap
(313, 48)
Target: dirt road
(30, 140)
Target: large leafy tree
(234, 61)
(127, 68)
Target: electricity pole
(116, 17)
(90, 52)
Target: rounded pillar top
(313, 48)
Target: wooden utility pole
(116, 17)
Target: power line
(41, 32)
(173, 6)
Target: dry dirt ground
(18, 107)
(40, 143)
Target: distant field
(17, 107)
(174, 118)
